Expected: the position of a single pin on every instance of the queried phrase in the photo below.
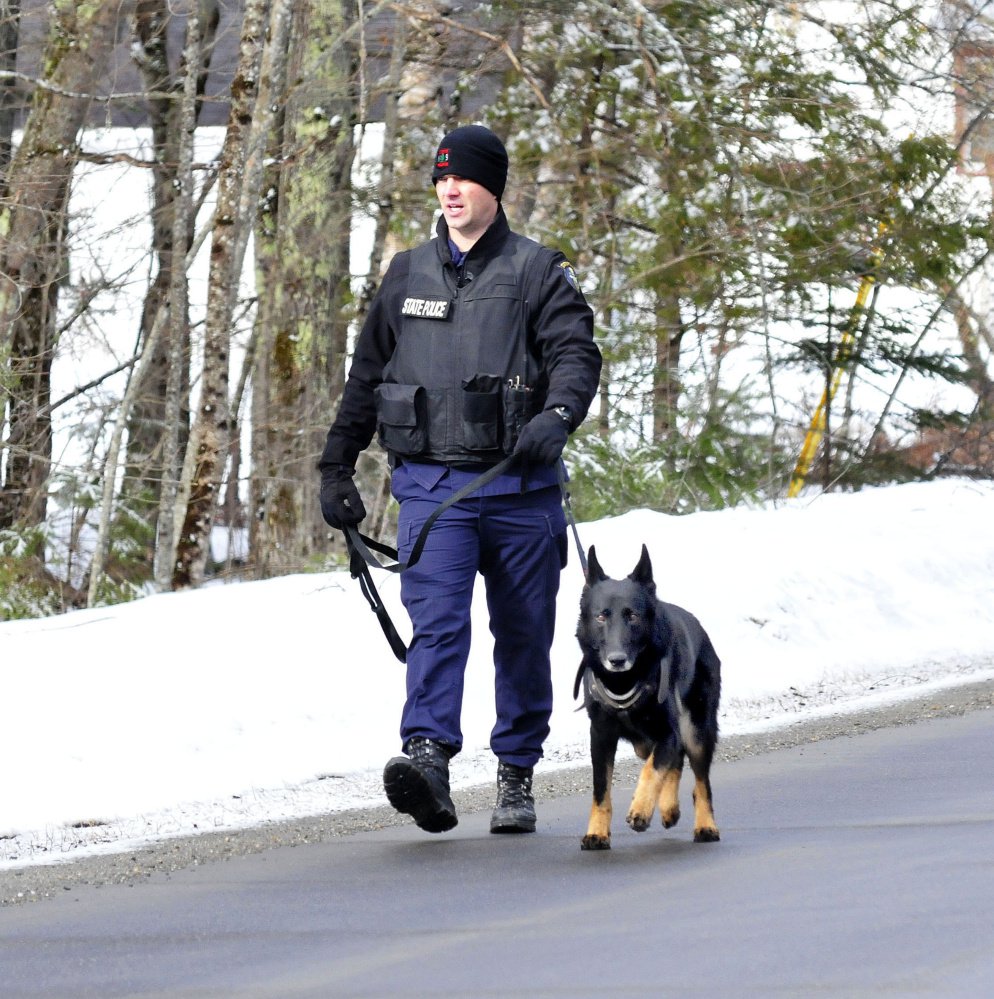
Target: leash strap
(363, 544)
(361, 557)
(360, 571)
(570, 519)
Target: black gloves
(543, 438)
(341, 504)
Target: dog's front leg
(644, 800)
(658, 783)
(669, 795)
(603, 746)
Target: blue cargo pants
(517, 542)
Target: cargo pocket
(401, 418)
(481, 413)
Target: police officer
(478, 345)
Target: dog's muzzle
(616, 663)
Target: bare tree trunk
(263, 402)
(666, 384)
(176, 302)
(972, 329)
(385, 185)
(149, 427)
(303, 287)
(209, 439)
(374, 470)
(10, 14)
(133, 391)
(32, 258)
(98, 560)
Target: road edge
(37, 882)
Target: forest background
(781, 214)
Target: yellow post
(816, 429)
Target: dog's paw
(591, 842)
(638, 822)
(707, 834)
(670, 817)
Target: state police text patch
(426, 308)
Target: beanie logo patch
(567, 268)
(442, 159)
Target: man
(478, 345)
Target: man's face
(468, 207)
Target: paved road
(851, 867)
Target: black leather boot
(515, 810)
(418, 784)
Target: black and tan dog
(651, 676)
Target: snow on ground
(238, 704)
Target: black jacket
(559, 328)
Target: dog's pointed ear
(642, 573)
(595, 574)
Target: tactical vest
(462, 380)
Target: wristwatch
(566, 415)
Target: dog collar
(618, 702)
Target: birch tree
(10, 14)
(209, 442)
(172, 118)
(32, 256)
(163, 353)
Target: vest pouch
(481, 413)
(517, 412)
(402, 418)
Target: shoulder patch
(567, 268)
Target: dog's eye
(630, 615)
(603, 616)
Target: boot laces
(514, 785)
(429, 757)
(427, 751)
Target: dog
(650, 676)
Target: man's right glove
(543, 437)
(341, 504)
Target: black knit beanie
(473, 152)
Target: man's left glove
(543, 438)
(341, 504)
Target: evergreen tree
(722, 173)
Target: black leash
(362, 544)
(360, 571)
(570, 519)
(361, 557)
